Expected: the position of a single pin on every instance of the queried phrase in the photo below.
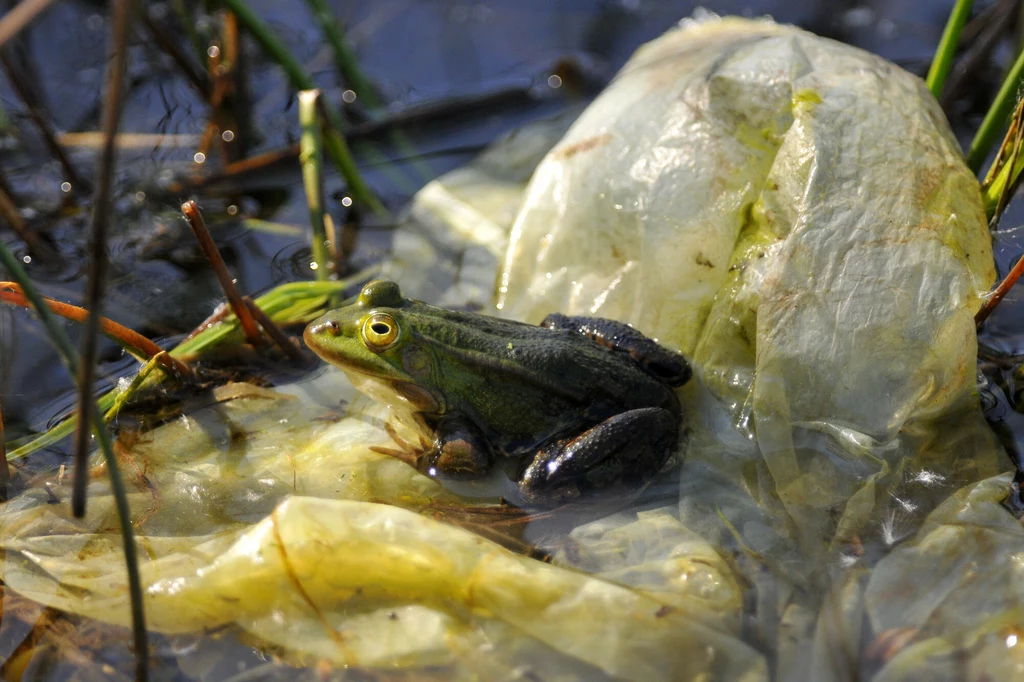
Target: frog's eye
(380, 332)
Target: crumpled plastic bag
(229, 535)
(952, 597)
(793, 213)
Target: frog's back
(525, 384)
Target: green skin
(588, 403)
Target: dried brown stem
(245, 319)
(172, 47)
(424, 114)
(237, 105)
(10, 293)
(38, 114)
(20, 16)
(9, 212)
(122, 12)
(216, 316)
(5, 473)
(981, 35)
(273, 331)
(97, 271)
(1000, 292)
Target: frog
(582, 404)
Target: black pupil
(380, 328)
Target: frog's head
(371, 340)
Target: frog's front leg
(460, 451)
(630, 448)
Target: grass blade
(292, 303)
(942, 63)
(997, 118)
(343, 56)
(71, 360)
(310, 159)
(300, 80)
(133, 342)
(97, 271)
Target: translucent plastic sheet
(793, 214)
(233, 537)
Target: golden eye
(380, 332)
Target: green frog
(586, 403)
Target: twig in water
(981, 35)
(38, 116)
(129, 339)
(71, 360)
(343, 56)
(5, 473)
(9, 212)
(334, 143)
(273, 331)
(19, 17)
(97, 271)
(312, 180)
(195, 219)
(1000, 292)
(186, 62)
(237, 103)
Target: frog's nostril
(330, 327)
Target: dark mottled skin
(589, 400)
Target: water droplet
(554, 81)
(199, 157)
(313, 266)
(349, 96)
(26, 259)
(65, 187)
(346, 201)
(232, 210)
(227, 135)
(213, 52)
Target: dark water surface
(415, 51)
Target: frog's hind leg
(663, 363)
(629, 448)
